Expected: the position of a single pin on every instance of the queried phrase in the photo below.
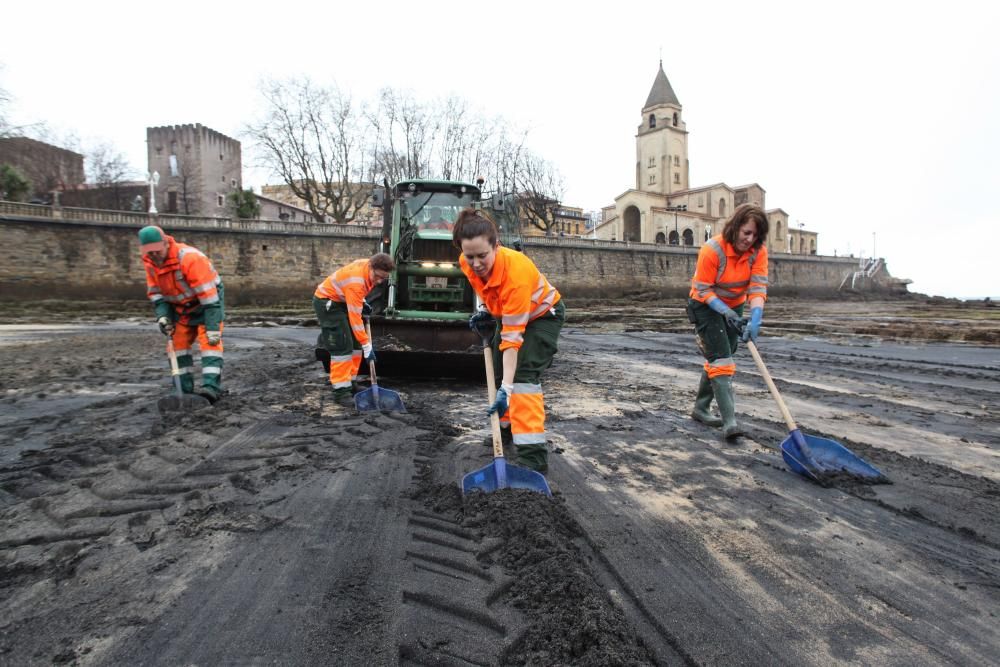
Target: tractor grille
(434, 250)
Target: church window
(777, 230)
(677, 161)
(675, 119)
(677, 177)
(701, 202)
(652, 120)
(652, 179)
(722, 208)
(652, 162)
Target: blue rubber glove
(502, 400)
(752, 330)
(732, 319)
(368, 351)
(482, 323)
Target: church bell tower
(661, 149)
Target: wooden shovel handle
(371, 364)
(491, 386)
(770, 385)
(175, 370)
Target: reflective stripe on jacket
(729, 275)
(350, 285)
(516, 293)
(186, 280)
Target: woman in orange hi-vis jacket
(339, 303)
(187, 297)
(530, 314)
(732, 268)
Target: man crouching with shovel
(339, 303)
(187, 298)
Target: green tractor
(420, 314)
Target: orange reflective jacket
(185, 280)
(350, 285)
(516, 291)
(729, 275)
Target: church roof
(661, 92)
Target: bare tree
(313, 138)
(539, 188)
(405, 131)
(183, 183)
(109, 170)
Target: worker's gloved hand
(366, 309)
(213, 337)
(482, 323)
(368, 350)
(502, 400)
(752, 330)
(166, 326)
(732, 319)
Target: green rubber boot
(722, 386)
(703, 402)
(343, 398)
(534, 456)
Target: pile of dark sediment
(570, 619)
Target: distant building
(366, 215)
(568, 221)
(273, 209)
(198, 169)
(664, 208)
(49, 168)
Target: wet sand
(278, 527)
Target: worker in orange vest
(187, 296)
(339, 302)
(530, 314)
(732, 268)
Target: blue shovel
(499, 475)
(377, 399)
(812, 457)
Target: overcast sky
(855, 117)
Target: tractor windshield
(435, 210)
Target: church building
(663, 207)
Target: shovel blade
(824, 457)
(378, 399)
(184, 403)
(499, 475)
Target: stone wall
(265, 262)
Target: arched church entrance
(688, 237)
(633, 226)
(660, 238)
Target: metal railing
(171, 221)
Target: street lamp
(682, 207)
(152, 179)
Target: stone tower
(198, 169)
(661, 148)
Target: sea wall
(64, 256)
